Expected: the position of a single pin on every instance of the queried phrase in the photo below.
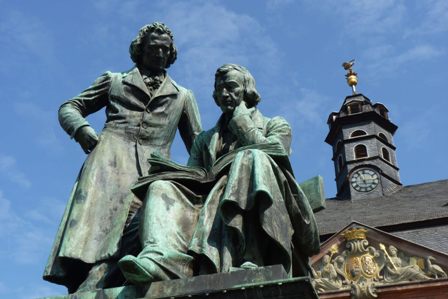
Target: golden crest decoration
(362, 265)
(361, 258)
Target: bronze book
(165, 169)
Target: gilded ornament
(355, 234)
(351, 76)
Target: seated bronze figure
(252, 213)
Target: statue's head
(153, 48)
(393, 250)
(233, 84)
(339, 260)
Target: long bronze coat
(137, 125)
(255, 200)
(254, 182)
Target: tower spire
(361, 135)
(351, 76)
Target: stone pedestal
(265, 282)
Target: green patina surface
(314, 191)
(250, 213)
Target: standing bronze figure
(144, 107)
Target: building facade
(380, 239)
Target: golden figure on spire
(351, 76)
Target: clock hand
(363, 177)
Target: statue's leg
(95, 278)
(168, 219)
(254, 251)
(255, 191)
(106, 274)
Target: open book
(165, 169)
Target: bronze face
(229, 91)
(156, 51)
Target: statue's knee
(158, 186)
(252, 153)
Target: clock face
(364, 180)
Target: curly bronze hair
(251, 95)
(136, 47)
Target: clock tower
(363, 151)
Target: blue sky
(52, 50)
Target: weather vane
(351, 76)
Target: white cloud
(8, 218)
(420, 128)
(126, 9)
(366, 22)
(207, 35)
(11, 223)
(27, 291)
(309, 108)
(389, 34)
(31, 244)
(44, 124)
(27, 35)
(33, 111)
(25, 234)
(385, 60)
(214, 35)
(416, 132)
(419, 52)
(9, 169)
(435, 18)
(274, 4)
(362, 18)
(30, 290)
(48, 211)
(366, 17)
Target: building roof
(410, 207)
(434, 237)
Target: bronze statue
(251, 213)
(144, 106)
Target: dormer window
(354, 108)
(381, 110)
(357, 133)
(360, 151)
(383, 113)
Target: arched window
(383, 136)
(360, 151)
(386, 155)
(357, 133)
(340, 163)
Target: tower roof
(356, 109)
